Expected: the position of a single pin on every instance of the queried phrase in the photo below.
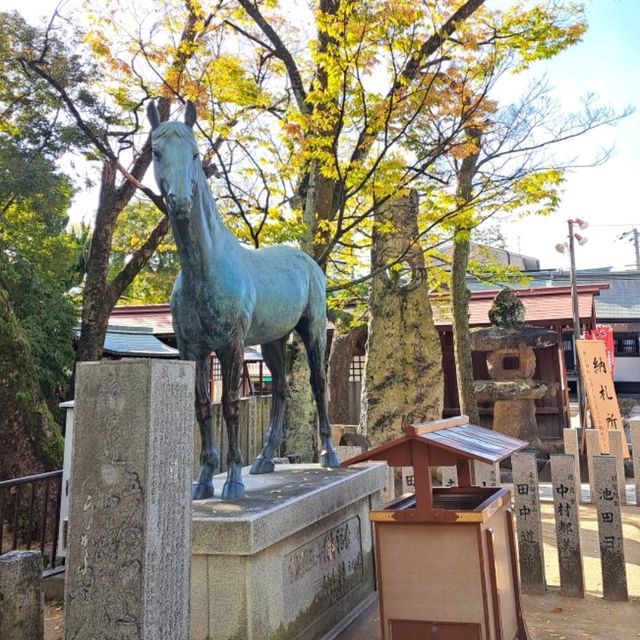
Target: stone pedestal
(291, 560)
(511, 363)
(129, 550)
(21, 596)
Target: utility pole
(636, 243)
(577, 334)
(576, 323)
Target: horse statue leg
(314, 337)
(209, 459)
(273, 354)
(231, 359)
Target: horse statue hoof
(262, 465)
(232, 491)
(329, 459)
(202, 490)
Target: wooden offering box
(445, 557)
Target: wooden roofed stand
(445, 557)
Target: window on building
(357, 369)
(569, 358)
(626, 345)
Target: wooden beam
(436, 425)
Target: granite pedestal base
(291, 560)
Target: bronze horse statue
(227, 296)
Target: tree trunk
(96, 302)
(403, 368)
(31, 439)
(300, 429)
(460, 325)
(459, 291)
(343, 347)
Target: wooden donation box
(445, 556)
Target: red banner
(604, 333)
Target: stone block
(128, 567)
(449, 476)
(345, 452)
(528, 523)
(571, 448)
(21, 596)
(593, 449)
(408, 485)
(291, 560)
(617, 449)
(567, 517)
(486, 475)
(607, 501)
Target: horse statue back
(228, 296)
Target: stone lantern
(511, 363)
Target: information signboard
(596, 376)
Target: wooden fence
(253, 423)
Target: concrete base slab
(291, 560)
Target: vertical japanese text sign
(597, 379)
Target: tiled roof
(542, 306)
(618, 303)
(135, 341)
(157, 317)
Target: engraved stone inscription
(607, 501)
(129, 522)
(565, 502)
(325, 569)
(529, 525)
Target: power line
(621, 224)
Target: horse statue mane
(227, 296)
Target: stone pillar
(486, 475)
(593, 449)
(449, 476)
(388, 492)
(566, 504)
(128, 568)
(21, 596)
(614, 574)
(408, 484)
(528, 523)
(616, 448)
(347, 452)
(635, 443)
(571, 448)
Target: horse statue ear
(153, 114)
(190, 115)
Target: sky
(606, 63)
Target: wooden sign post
(598, 382)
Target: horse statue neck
(201, 237)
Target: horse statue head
(176, 166)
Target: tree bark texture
(403, 367)
(300, 424)
(460, 326)
(343, 346)
(459, 291)
(31, 439)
